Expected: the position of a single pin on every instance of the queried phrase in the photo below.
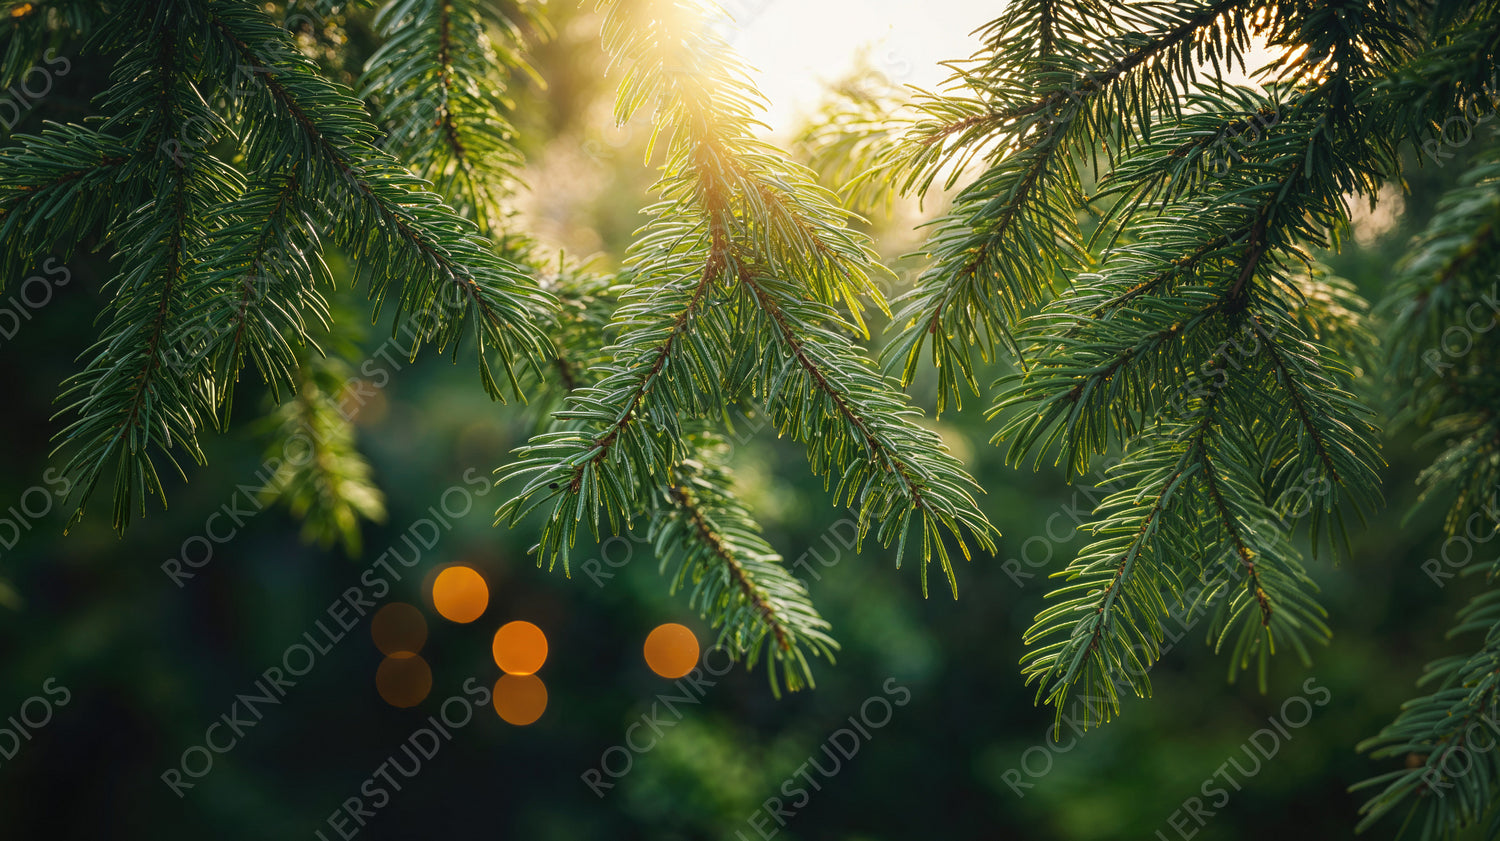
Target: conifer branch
(53, 193)
(258, 278)
(888, 465)
(739, 580)
(1445, 785)
(1012, 232)
(126, 402)
(618, 423)
(444, 104)
(772, 258)
(1195, 317)
(387, 219)
(321, 476)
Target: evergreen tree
(1138, 235)
(1133, 234)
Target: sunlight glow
(800, 47)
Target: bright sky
(799, 45)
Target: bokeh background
(149, 665)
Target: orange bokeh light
(671, 650)
(403, 679)
(459, 594)
(520, 699)
(398, 627)
(520, 648)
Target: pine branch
(396, 231)
(739, 580)
(696, 523)
(742, 246)
(258, 281)
(621, 431)
(986, 274)
(1334, 440)
(445, 104)
(1013, 232)
(54, 193)
(858, 428)
(1254, 581)
(1145, 63)
(1128, 329)
(127, 401)
(1448, 781)
(1189, 350)
(193, 245)
(321, 477)
(1109, 614)
(1192, 510)
(1102, 386)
